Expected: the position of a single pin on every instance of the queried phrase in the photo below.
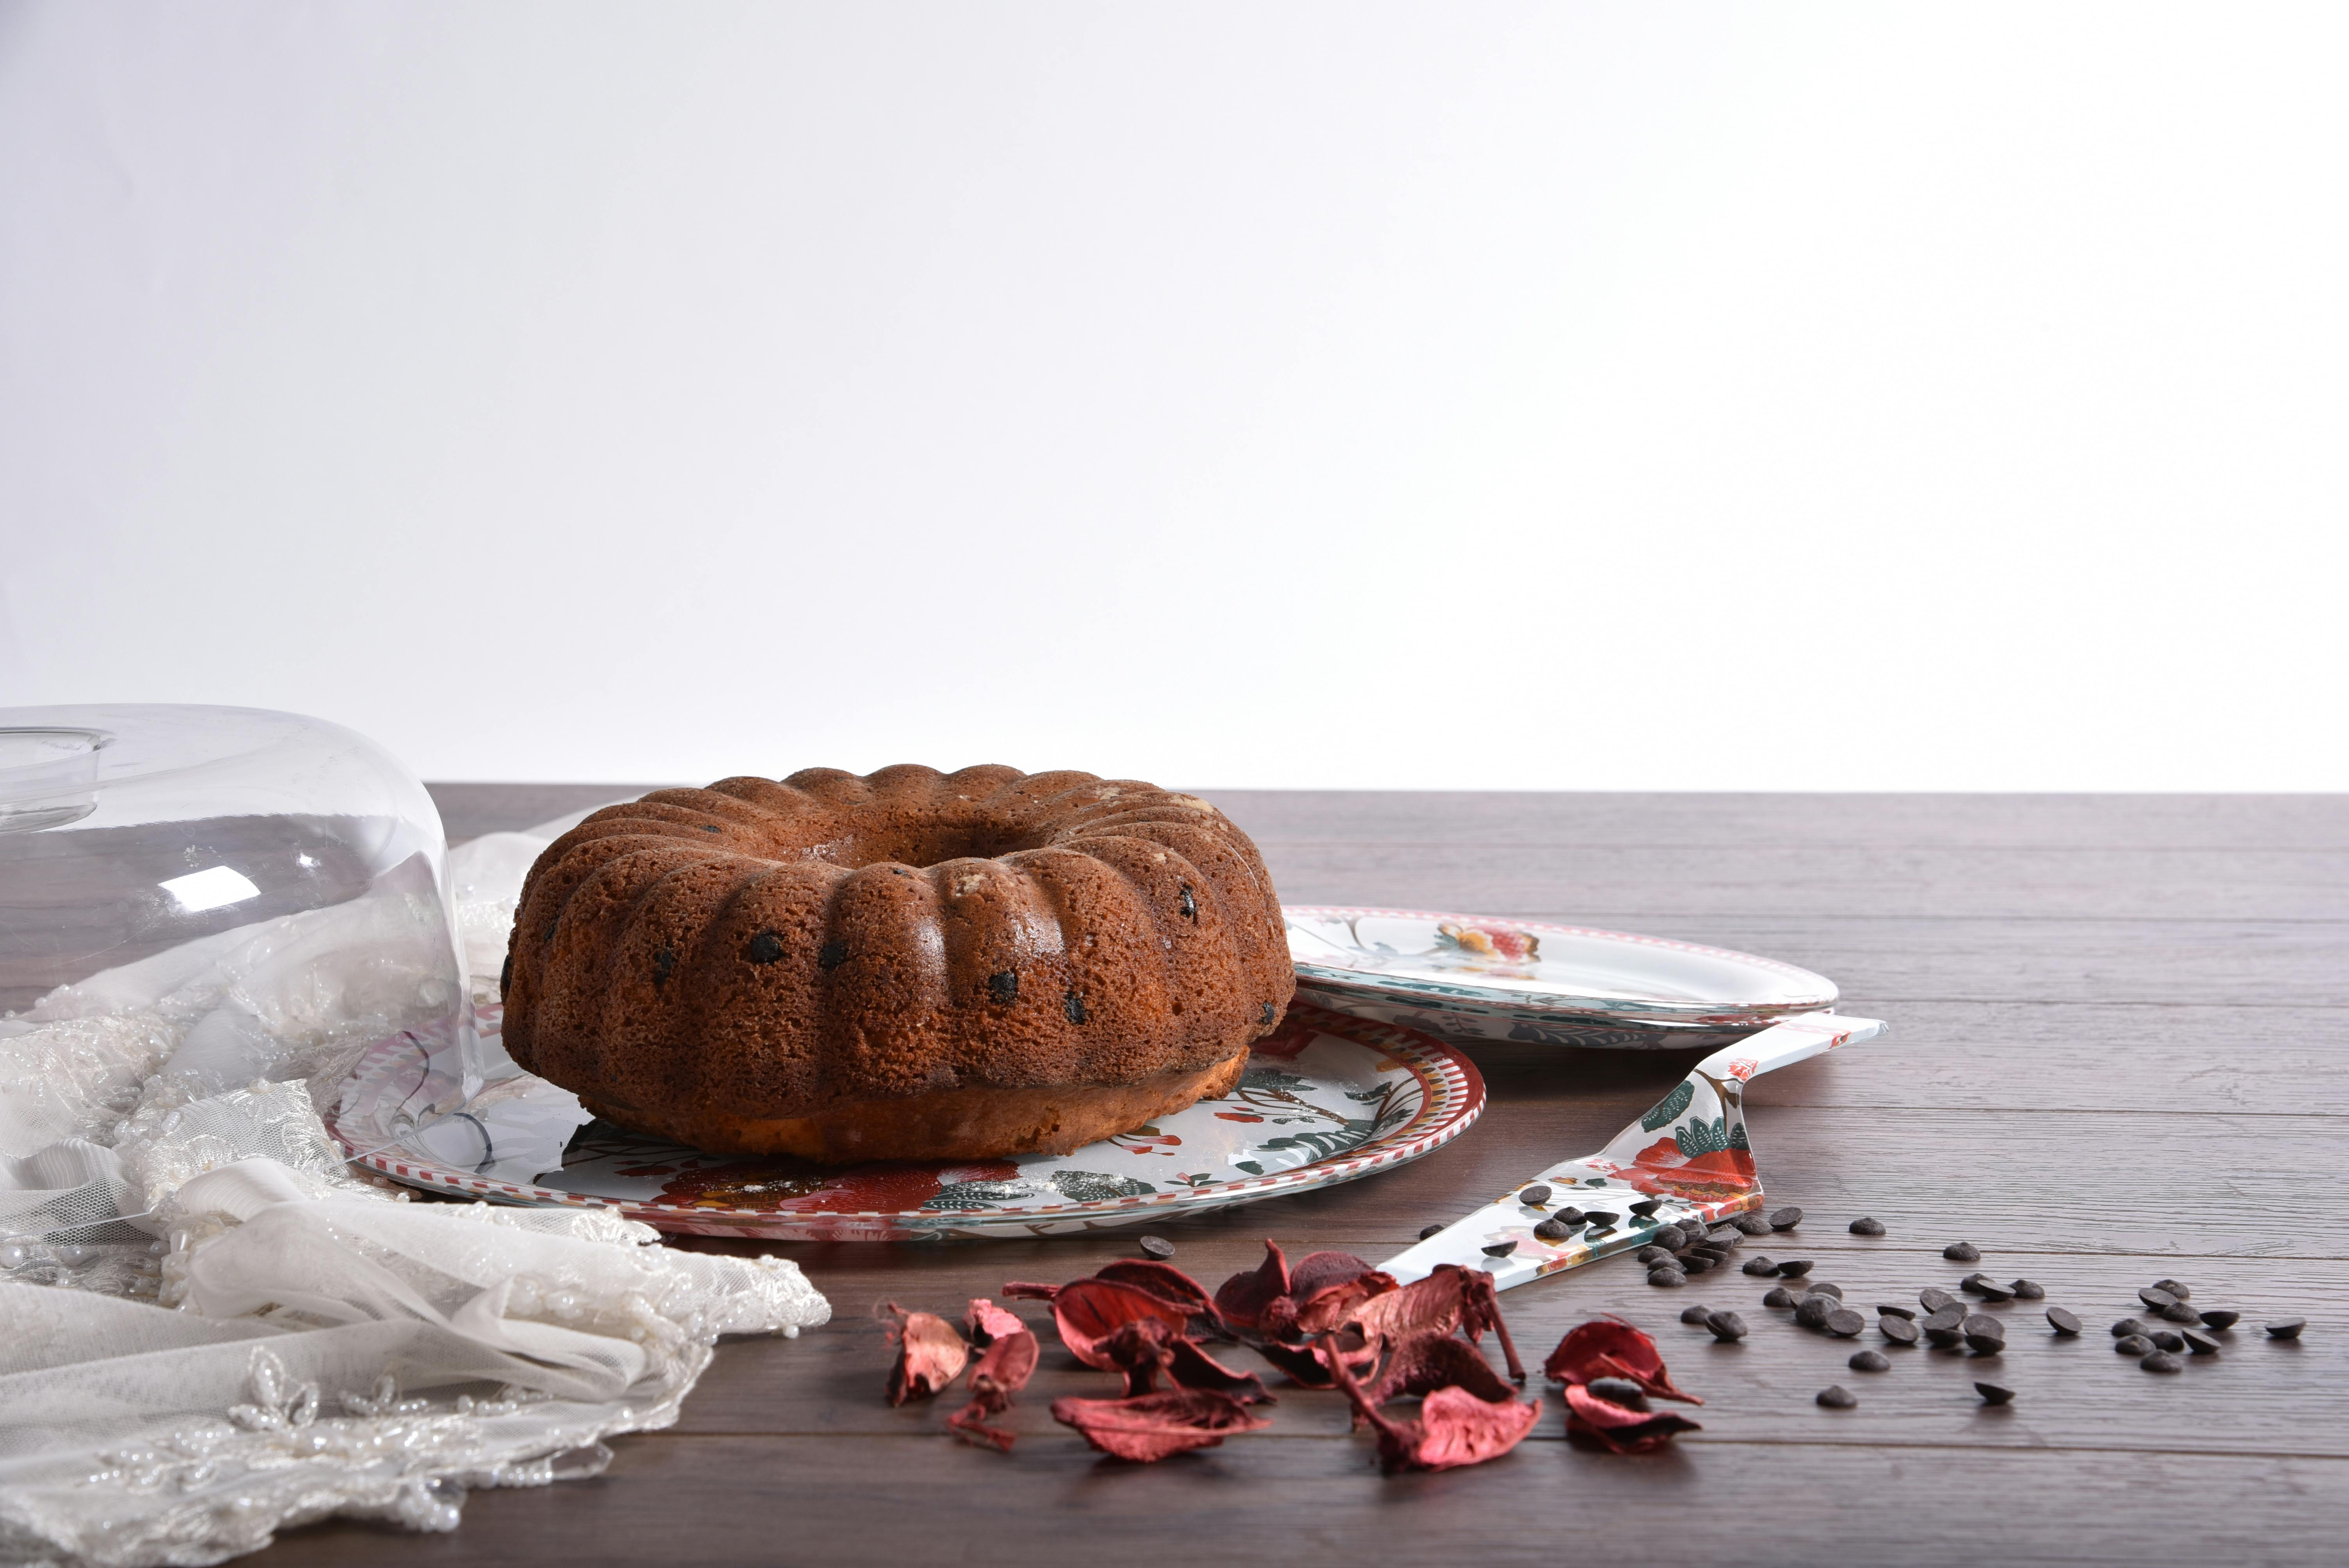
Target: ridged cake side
(767, 950)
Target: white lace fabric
(211, 1331)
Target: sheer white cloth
(211, 1330)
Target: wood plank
(841, 1502)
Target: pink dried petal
(1454, 1427)
(1154, 1426)
(1163, 1280)
(1027, 1290)
(1426, 1362)
(1618, 1427)
(987, 1322)
(1611, 1347)
(1338, 1302)
(1308, 1364)
(1317, 1272)
(1144, 1349)
(1242, 1299)
(930, 1355)
(1002, 1372)
(1088, 1311)
(1430, 1305)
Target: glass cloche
(212, 896)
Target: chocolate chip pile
(2160, 1342)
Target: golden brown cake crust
(947, 1124)
(758, 953)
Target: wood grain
(2119, 1031)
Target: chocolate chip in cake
(711, 828)
(1864, 1226)
(505, 976)
(1158, 1247)
(828, 957)
(1265, 1018)
(1074, 1006)
(664, 965)
(1004, 985)
(1187, 905)
(768, 946)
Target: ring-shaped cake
(906, 966)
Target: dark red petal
(1426, 1362)
(986, 1322)
(1618, 1427)
(1430, 1305)
(1456, 1427)
(1611, 1347)
(1088, 1311)
(930, 1355)
(1027, 1290)
(1156, 1425)
(1192, 1367)
(1337, 1303)
(1004, 1370)
(969, 1423)
(1306, 1364)
(1317, 1272)
(1243, 1297)
(1161, 1280)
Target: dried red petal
(1618, 1427)
(1426, 1362)
(1306, 1365)
(1088, 1311)
(1317, 1272)
(1454, 1427)
(1428, 1305)
(1611, 1347)
(1338, 1303)
(1144, 1349)
(930, 1355)
(1027, 1290)
(1002, 1372)
(986, 1323)
(1163, 1280)
(1154, 1426)
(1242, 1299)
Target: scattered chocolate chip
(1836, 1397)
(2288, 1328)
(2174, 1288)
(1994, 1393)
(1598, 1234)
(2199, 1342)
(1943, 1338)
(1158, 1247)
(1794, 1268)
(1552, 1230)
(1944, 1317)
(1864, 1226)
(1003, 985)
(1536, 1195)
(2221, 1320)
(1666, 1277)
(1621, 1391)
(1963, 1253)
(1786, 1219)
(1986, 1334)
(1760, 1267)
(1427, 1231)
(2169, 1340)
(828, 957)
(1780, 1296)
(2154, 1296)
(1497, 1250)
(1073, 1006)
(1727, 1326)
(1843, 1323)
(2063, 1322)
(1600, 1217)
(2131, 1326)
(2134, 1344)
(1651, 1256)
(1934, 1299)
(1991, 1290)
(2028, 1290)
(1899, 1330)
(1695, 1314)
(1570, 1215)
(1749, 1225)
(1812, 1311)
(1820, 1287)
(2162, 1361)
(2178, 1311)
(1869, 1361)
(767, 946)
(1694, 1262)
(1645, 1205)
(1892, 1309)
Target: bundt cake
(907, 965)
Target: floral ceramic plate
(1492, 978)
(1327, 1097)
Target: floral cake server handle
(1688, 1158)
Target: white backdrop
(1546, 396)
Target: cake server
(1688, 1158)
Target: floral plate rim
(1453, 1098)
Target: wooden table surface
(2119, 1031)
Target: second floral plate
(1327, 1097)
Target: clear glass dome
(217, 895)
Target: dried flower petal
(1166, 1282)
(1304, 1363)
(1618, 1427)
(1154, 1426)
(1431, 1306)
(1002, 1372)
(1454, 1427)
(1088, 1311)
(1146, 1347)
(1244, 1297)
(930, 1355)
(986, 1323)
(1611, 1347)
(1027, 1290)
(1426, 1362)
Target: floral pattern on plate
(1326, 1098)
